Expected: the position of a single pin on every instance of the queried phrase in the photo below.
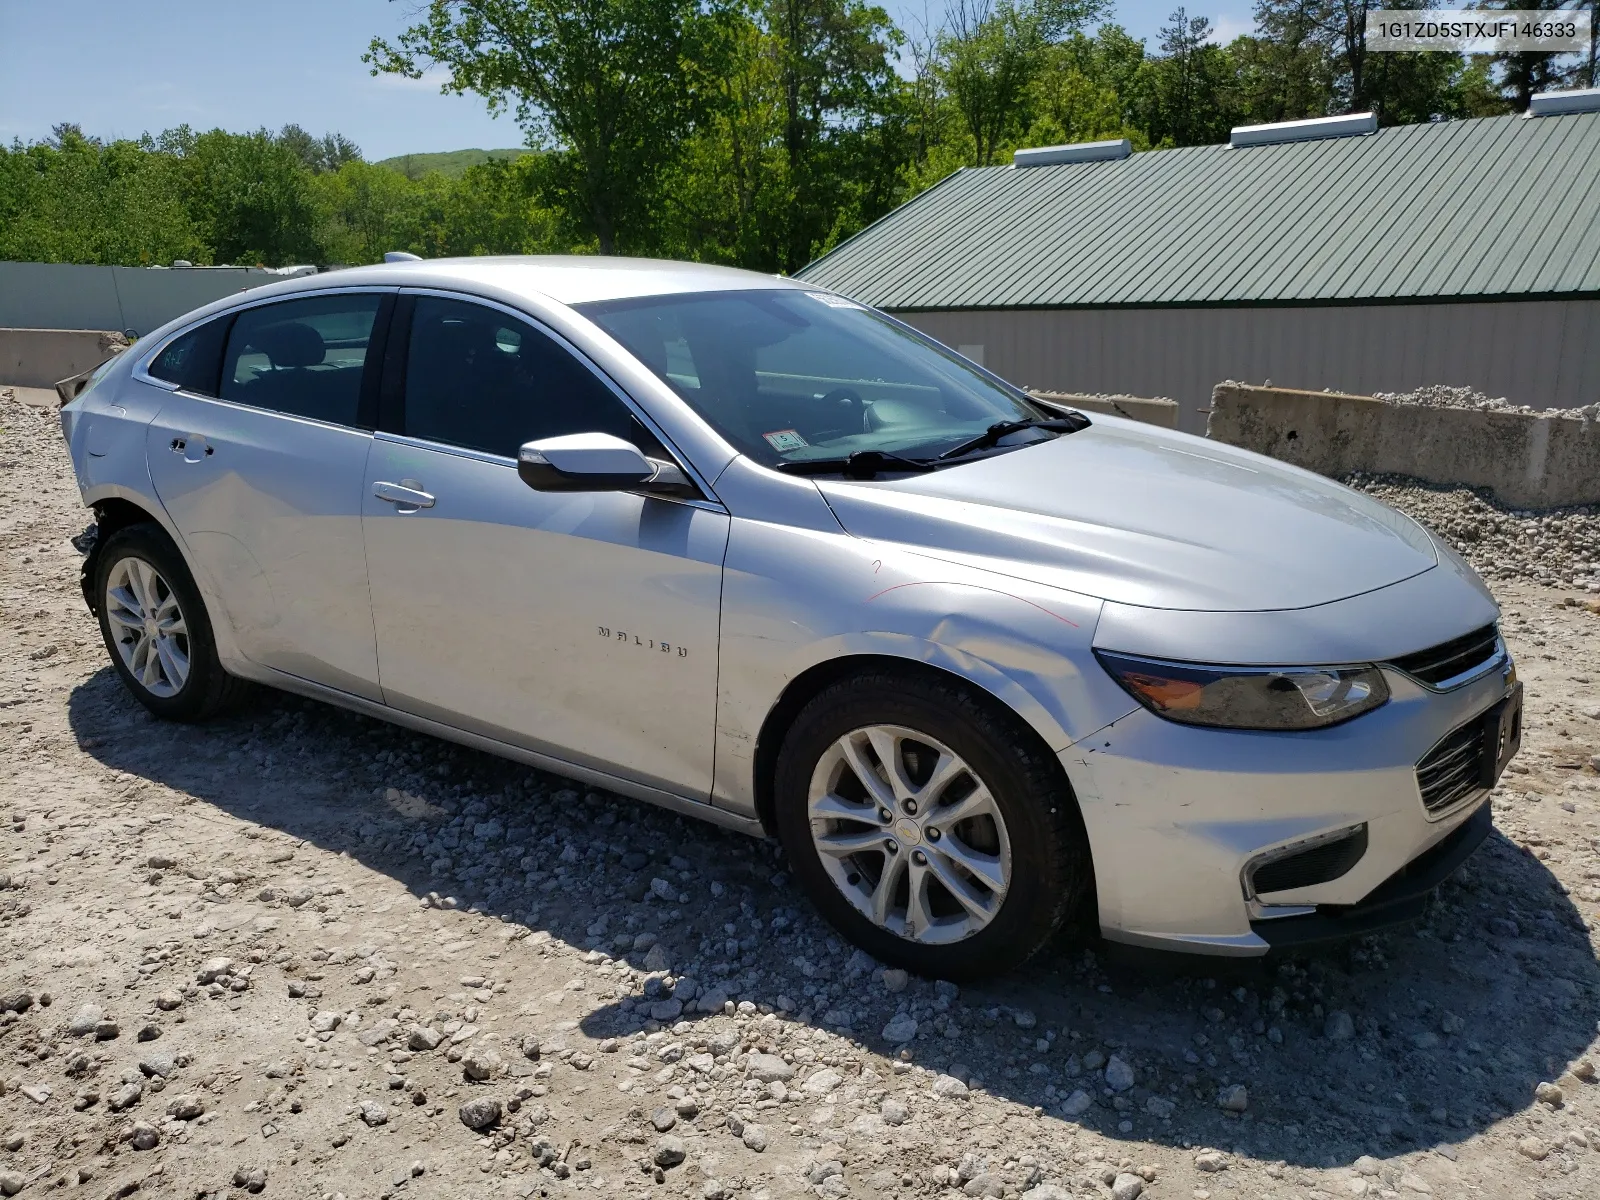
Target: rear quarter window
(193, 360)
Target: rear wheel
(930, 825)
(156, 628)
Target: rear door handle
(192, 446)
(405, 494)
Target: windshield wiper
(992, 435)
(862, 464)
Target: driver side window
(480, 379)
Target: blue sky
(119, 70)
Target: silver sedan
(749, 550)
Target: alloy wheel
(909, 834)
(148, 624)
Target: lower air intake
(1320, 864)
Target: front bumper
(1400, 899)
(1178, 817)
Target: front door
(260, 463)
(580, 625)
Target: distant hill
(447, 162)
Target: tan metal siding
(1544, 353)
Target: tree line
(752, 132)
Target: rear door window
(304, 358)
(483, 380)
(193, 360)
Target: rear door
(260, 460)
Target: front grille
(1443, 662)
(1319, 864)
(1451, 771)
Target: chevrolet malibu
(751, 551)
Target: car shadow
(1407, 1041)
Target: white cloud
(1225, 27)
(431, 81)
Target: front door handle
(407, 494)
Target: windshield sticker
(833, 301)
(783, 440)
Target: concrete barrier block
(1529, 460)
(41, 357)
(1150, 410)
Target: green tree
(833, 61)
(327, 153)
(1523, 73)
(1080, 91)
(613, 85)
(75, 199)
(992, 52)
(492, 208)
(250, 198)
(1285, 71)
(1191, 80)
(723, 198)
(365, 211)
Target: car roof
(564, 278)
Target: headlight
(1248, 697)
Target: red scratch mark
(978, 588)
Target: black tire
(1051, 867)
(207, 690)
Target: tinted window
(302, 357)
(193, 361)
(787, 375)
(480, 379)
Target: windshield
(789, 376)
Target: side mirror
(597, 462)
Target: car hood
(1140, 515)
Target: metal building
(1317, 254)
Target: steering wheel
(846, 395)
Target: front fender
(795, 599)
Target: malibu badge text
(644, 643)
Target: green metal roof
(1501, 207)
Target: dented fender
(795, 598)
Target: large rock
(1119, 1075)
(768, 1068)
(949, 1087)
(185, 1107)
(214, 969)
(822, 1082)
(902, 1027)
(670, 1151)
(479, 1114)
(1233, 1098)
(423, 1037)
(482, 1062)
(382, 1031)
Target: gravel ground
(1556, 547)
(301, 953)
(1440, 395)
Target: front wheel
(156, 629)
(929, 825)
